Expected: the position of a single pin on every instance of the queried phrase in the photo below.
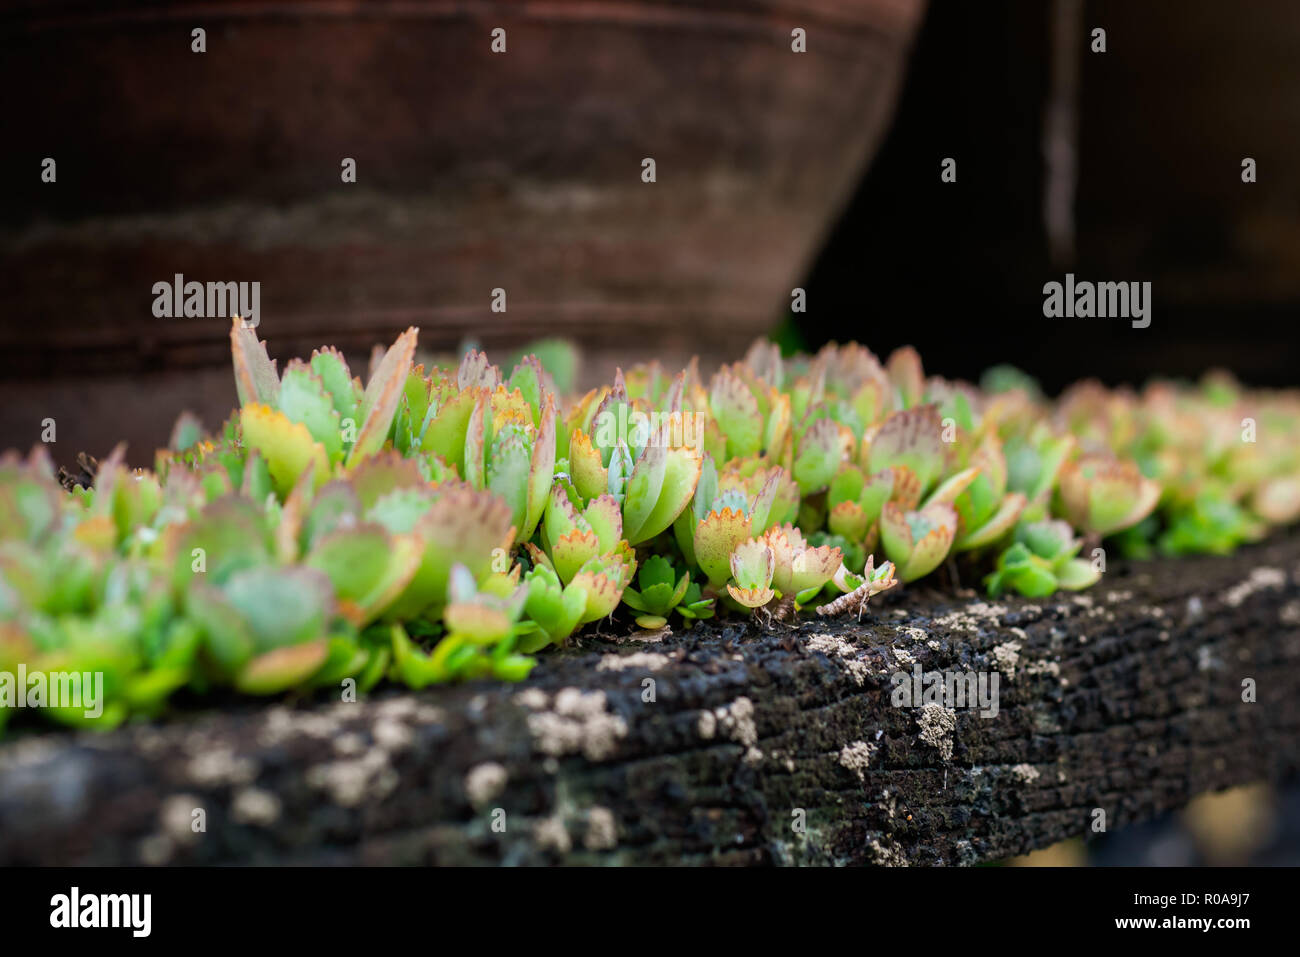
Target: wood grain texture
(1127, 698)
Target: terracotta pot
(475, 171)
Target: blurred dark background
(522, 171)
(1164, 118)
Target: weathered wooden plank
(1127, 698)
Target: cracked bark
(1126, 698)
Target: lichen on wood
(730, 744)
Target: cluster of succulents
(449, 523)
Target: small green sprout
(557, 610)
(1211, 524)
(1041, 560)
(663, 591)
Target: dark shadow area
(1165, 116)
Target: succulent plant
(910, 443)
(917, 541)
(557, 609)
(637, 455)
(986, 511)
(1033, 464)
(722, 514)
(1211, 524)
(571, 536)
(497, 436)
(1041, 560)
(854, 501)
(1104, 495)
(752, 416)
(753, 564)
(330, 533)
(311, 418)
(663, 591)
(801, 569)
(857, 589)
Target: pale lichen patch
(351, 781)
(1007, 655)
(973, 617)
(602, 829)
(736, 721)
(1290, 613)
(579, 722)
(396, 709)
(176, 817)
(857, 757)
(937, 726)
(1025, 773)
(833, 646)
(1043, 668)
(551, 834)
(221, 766)
(888, 854)
(282, 724)
(255, 806)
(349, 743)
(391, 735)
(484, 782)
(534, 699)
(640, 660)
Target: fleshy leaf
(912, 439)
(735, 408)
(379, 403)
(303, 399)
(288, 447)
(255, 376)
(714, 539)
